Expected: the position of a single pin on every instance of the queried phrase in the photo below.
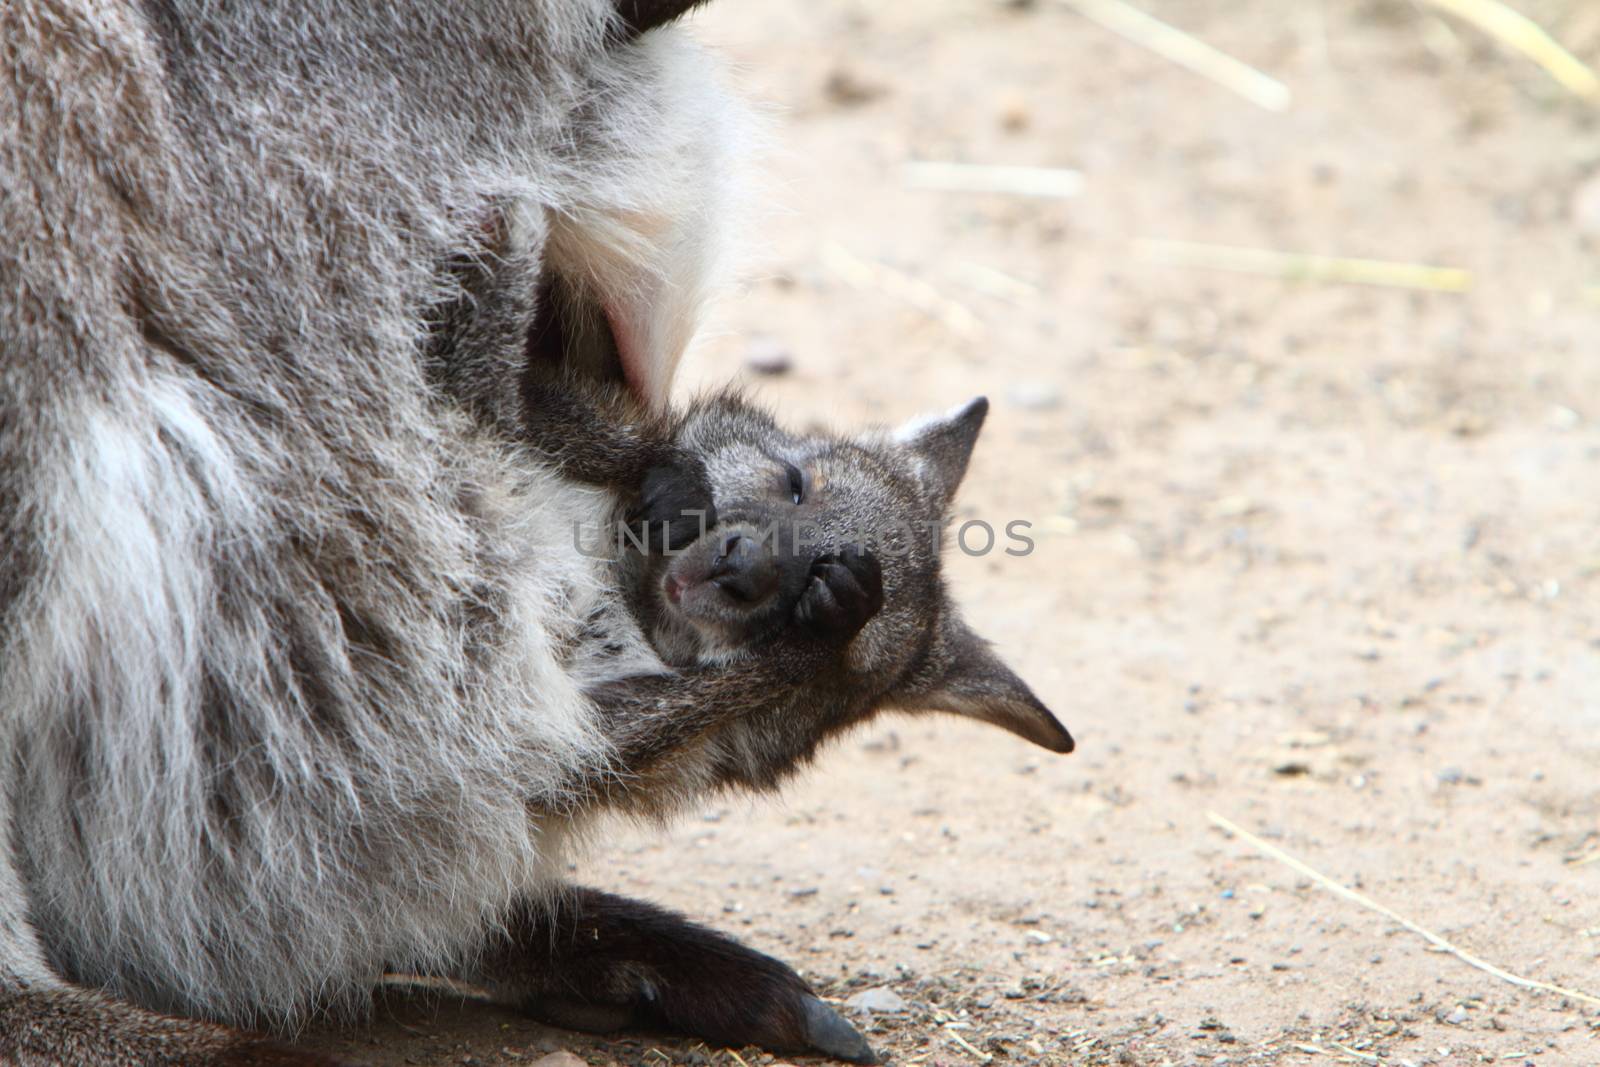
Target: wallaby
(302, 675)
(799, 589)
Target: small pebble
(766, 356)
(881, 1000)
(1585, 207)
(1015, 115)
(1564, 418)
(560, 1059)
(1034, 396)
(1451, 775)
(1457, 1017)
(846, 88)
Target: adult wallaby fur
(302, 675)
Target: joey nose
(735, 553)
(744, 569)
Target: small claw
(828, 1033)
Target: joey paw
(844, 591)
(675, 506)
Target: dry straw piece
(1056, 182)
(1439, 943)
(1295, 266)
(1520, 33)
(971, 1049)
(880, 277)
(1192, 53)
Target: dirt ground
(1321, 558)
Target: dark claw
(828, 1033)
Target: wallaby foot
(600, 963)
(60, 1026)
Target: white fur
(653, 246)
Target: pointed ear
(965, 677)
(942, 445)
(639, 16)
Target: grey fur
(292, 635)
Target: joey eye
(797, 483)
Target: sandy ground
(1322, 558)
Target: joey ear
(942, 445)
(965, 677)
(639, 16)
